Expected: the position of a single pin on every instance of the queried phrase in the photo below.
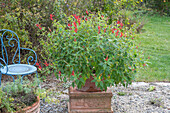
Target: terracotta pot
(34, 108)
(89, 86)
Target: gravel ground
(140, 97)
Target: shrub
(162, 6)
(25, 17)
(89, 46)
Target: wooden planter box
(89, 102)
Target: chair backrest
(11, 37)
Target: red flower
(98, 29)
(132, 38)
(76, 17)
(86, 19)
(133, 69)
(72, 73)
(76, 30)
(46, 64)
(59, 72)
(37, 64)
(102, 16)
(69, 25)
(38, 25)
(120, 27)
(79, 21)
(118, 22)
(105, 30)
(74, 39)
(51, 16)
(49, 29)
(75, 25)
(40, 67)
(144, 64)
(148, 57)
(136, 47)
(121, 34)
(106, 58)
(121, 24)
(87, 12)
(117, 34)
(113, 30)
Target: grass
(155, 42)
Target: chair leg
(22, 78)
(36, 74)
(37, 78)
(0, 78)
(13, 78)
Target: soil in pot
(21, 100)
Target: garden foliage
(161, 6)
(33, 20)
(23, 17)
(15, 96)
(90, 46)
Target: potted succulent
(21, 98)
(89, 49)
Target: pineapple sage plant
(87, 46)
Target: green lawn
(155, 42)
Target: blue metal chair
(15, 68)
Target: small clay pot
(34, 108)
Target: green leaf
(96, 83)
(73, 84)
(101, 84)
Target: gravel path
(140, 97)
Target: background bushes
(31, 19)
(22, 16)
(161, 6)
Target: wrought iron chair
(16, 68)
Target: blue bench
(16, 68)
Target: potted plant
(21, 98)
(93, 54)
(88, 47)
